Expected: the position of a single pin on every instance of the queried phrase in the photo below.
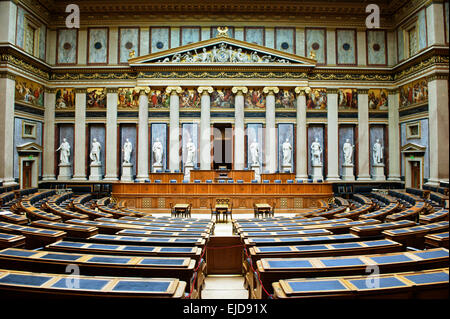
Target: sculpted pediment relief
(222, 50)
(413, 148)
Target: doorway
(415, 174)
(222, 146)
(27, 174)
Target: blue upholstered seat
(173, 181)
(299, 181)
(221, 181)
(185, 181)
(254, 181)
(266, 181)
(176, 171)
(310, 180)
(157, 181)
(289, 181)
(239, 181)
(197, 181)
(230, 181)
(147, 181)
(167, 170)
(278, 181)
(159, 171)
(209, 181)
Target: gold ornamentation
(222, 32)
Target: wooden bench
(381, 213)
(72, 230)
(20, 284)
(10, 240)
(440, 215)
(286, 226)
(137, 240)
(330, 213)
(353, 214)
(414, 236)
(35, 237)
(437, 240)
(65, 213)
(13, 218)
(305, 240)
(412, 213)
(99, 265)
(160, 225)
(274, 269)
(429, 284)
(377, 229)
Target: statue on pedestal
(316, 151)
(95, 152)
(287, 154)
(127, 149)
(348, 152)
(377, 152)
(190, 148)
(65, 152)
(157, 153)
(254, 152)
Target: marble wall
(316, 41)
(20, 30)
(67, 46)
(189, 35)
(20, 140)
(285, 39)
(316, 131)
(285, 132)
(422, 24)
(376, 47)
(446, 13)
(98, 45)
(346, 46)
(400, 45)
(159, 39)
(98, 131)
(128, 131)
(255, 133)
(159, 132)
(129, 40)
(42, 41)
(254, 35)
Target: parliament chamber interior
(198, 149)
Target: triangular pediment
(413, 148)
(29, 148)
(222, 50)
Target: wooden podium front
(203, 195)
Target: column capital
(334, 91)
(239, 90)
(437, 76)
(271, 90)
(111, 90)
(302, 90)
(393, 91)
(142, 90)
(363, 91)
(50, 90)
(7, 75)
(80, 90)
(174, 90)
(205, 89)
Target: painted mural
(255, 99)
(378, 100)
(317, 99)
(348, 99)
(222, 98)
(128, 98)
(96, 98)
(285, 99)
(29, 92)
(158, 98)
(190, 98)
(414, 92)
(64, 99)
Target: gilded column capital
(174, 90)
(80, 90)
(205, 89)
(239, 90)
(7, 75)
(271, 90)
(50, 90)
(363, 91)
(393, 91)
(333, 91)
(111, 90)
(302, 90)
(437, 76)
(142, 90)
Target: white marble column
(8, 14)
(48, 155)
(239, 129)
(79, 154)
(394, 136)
(332, 135)
(363, 136)
(174, 128)
(301, 158)
(270, 131)
(143, 147)
(7, 84)
(435, 23)
(112, 97)
(205, 127)
(438, 128)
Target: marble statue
(348, 152)
(65, 152)
(287, 154)
(254, 151)
(190, 148)
(377, 152)
(127, 149)
(157, 152)
(95, 152)
(316, 151)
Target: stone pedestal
(127, 172)
(96, 172)
(378, 172)
(157, 168)
(317, 172)
(286, 168)
(187, 171)
(257, 170)
(65, 172)
(347, 172)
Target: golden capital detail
(271, 90)
(142, 90)
(302, 90)
(112, 90)
(363, 91)
(205, 89)
(174, 90)
(239, 89)
(333, 91)
(80, 90)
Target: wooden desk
(262, 209)
(221, 209)
(181, 209)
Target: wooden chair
(229, 212)
(214, 213)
